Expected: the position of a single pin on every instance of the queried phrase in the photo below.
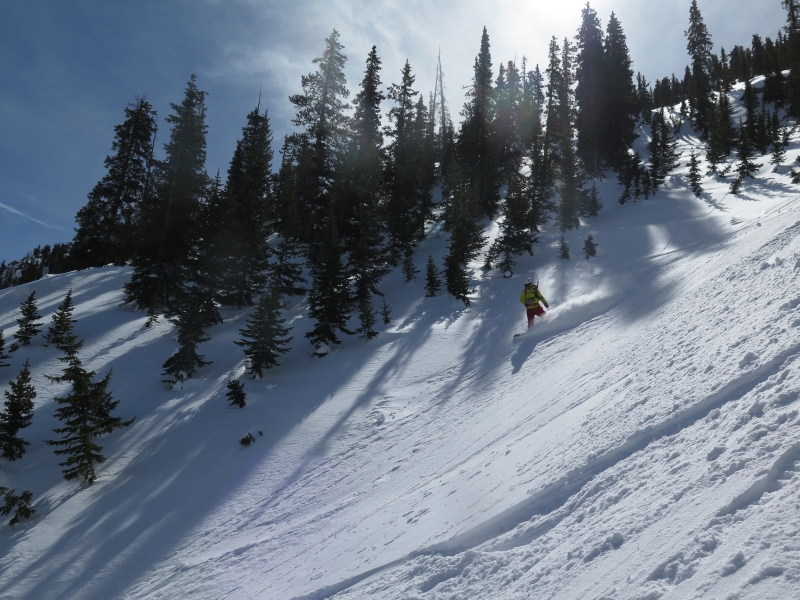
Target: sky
(69, 67)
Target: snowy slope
(640, 443)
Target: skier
(531, 297)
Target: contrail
(14, 211)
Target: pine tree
(85, 412)
(723, 133)
(662, 148)
(589, 247)
(17, 414)
(321, 112)
(386, 312)
(3, 356)
(107, 224)
(506, 134)
(475, 145)
(563, 249)
(190, 321)
(792, 29)
(264, 338)
(746, 167)
(19, 505)
(591, 202)
(329, 300)
(235, 393)
(591, 77)
(287, 270)
(28, 324)
(244, 226)
(517, 231)
(361, 193)
(433, 285)
(694, 175)
(61, 324)
(619, 97)
(169, 215)
(699, 46)
(778, 152)
(466, 235)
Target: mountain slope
(639, 443)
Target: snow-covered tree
(17, 414)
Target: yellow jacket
(531, 296)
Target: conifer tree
(517, 231)
(321, 113)
(792, 29)
(190, 321)
(591, 77)
(475, 145)
(619, 97)
(28, 324)
(402, 176)
(723, 133)
(386, 312)
(61, 324)
(170, 214)
(249, 211)
(746, 167)
(506, 131)
(20, 505)
(589, 247)
(662, 148)
(466, 235)
(17, 414)
(107, 224)
(329, 300)
(362, 191)
(694, 175)
(563, 249)
(3, 356)
(85, 412)
(591, 202)
(287, 269)
(235, 393)
(264, 338)
(778, 152)
(699, 46)
(433, 284)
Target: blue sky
(69, 67)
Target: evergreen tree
(28, 324)
(746, 167)
(662, 148)
(506, 125)
(694, 175)
(61, 324)
(3, 356)
(723, 132)
(433, 284)
(264, 338)
(386, 312)
(244, 226)
(235, 393)
(169, 216)
(517, 231)
(190, 321)
(17, 414)
(287, 270)
(107, 224)
(321, 112)
(329, 300)
(401, 207)
(793, 52)
(589, 247)
(591, 202)
(20, 505)
(85, 412)
(466, 236)
(591, 77)
(699, 46)
(475, 145)
(778, 156)
(619, 97)
(563, 249)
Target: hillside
(640, 443)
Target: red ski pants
(536, 311)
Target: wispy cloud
(19, 213)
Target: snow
(640, 442)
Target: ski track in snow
(640, 443)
